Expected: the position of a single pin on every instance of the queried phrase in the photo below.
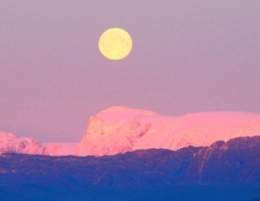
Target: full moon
(115, 43)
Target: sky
(187, 56)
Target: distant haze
(187, 56)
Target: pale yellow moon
(115, 43)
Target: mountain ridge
(223, 171)
(120, 129)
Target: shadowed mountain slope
(222, 171)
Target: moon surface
(115, 43)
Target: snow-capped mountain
(222, 162)
(120, 129)
(10, 143)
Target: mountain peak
(120, 129)
(10, 143)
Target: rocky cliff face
(223, 171)
(119, 129)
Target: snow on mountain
(59, 149)
(10, 143)
(120, 129)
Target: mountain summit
(120, 129)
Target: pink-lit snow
(120, 129)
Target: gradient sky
(188, 56)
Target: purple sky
(188, 56)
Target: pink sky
(188, 56)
